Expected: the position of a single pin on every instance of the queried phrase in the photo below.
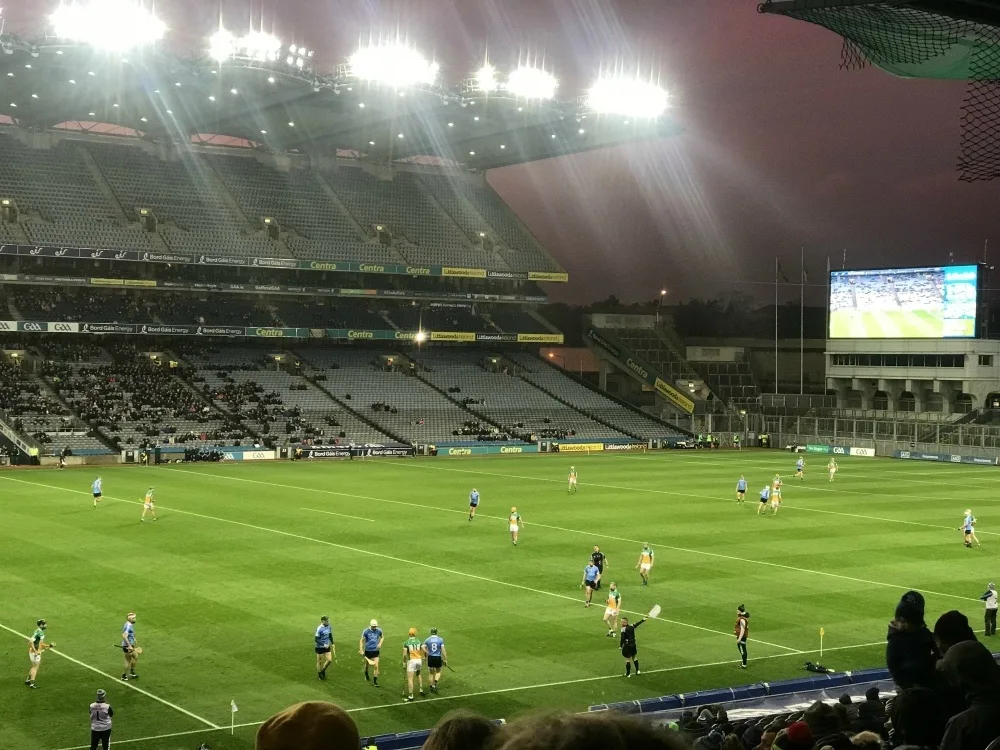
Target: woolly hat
(911, 607)
(314, 725)
(798, 736)
(953, 627)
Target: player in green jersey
(413, 659)
(36, 646)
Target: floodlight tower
(110, 25)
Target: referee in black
(628, 647)
(597, 557)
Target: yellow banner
(673, 395)
(452, 336)
(547, 276)
(122, 282)
(580, 447)
(539, 338)
(469, 273)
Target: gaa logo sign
(62, 327)
(35, 327)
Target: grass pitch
(230, 583)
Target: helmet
(413, 631)
(373, 624)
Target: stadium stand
(385, 393)
(192, 217)
(733, 382)
(309, 313)
(516, 321)
(79, 305)
(427, 235)
(59, 200)
(589, 401)
(478, 208)
(499, 396)
(134, 401)
(274, 402)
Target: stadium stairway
(591, 387)
(318, 385)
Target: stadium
(277, 374)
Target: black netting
(905, 39)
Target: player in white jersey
(832, 468)
(148, 505)
(776, 493)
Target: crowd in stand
(131, 399)
(482, 432)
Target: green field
(892, 324)
(229, 584)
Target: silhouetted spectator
(461, 730)
(918, 719)
(314, 725)
(969, 666)
(910, 652)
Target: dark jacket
(911, 655)
(970, 666)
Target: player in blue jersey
(741, 490)
(436, 657)
(765, 495)
(325, 649)
(800, 465)
(473, 502)
(968, 528)
(130, 648)
(95, 488)
(369, 647)
(591, 575)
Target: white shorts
(608, 612)
(644, 568)
(572, 481)
(775, 502)
(148, 506)
(413, 665)
(35, 658)
(513, 528)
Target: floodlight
(486, 78)
(259, 45)
(113, 25)
(394, 64)
(532, 83)
(420, 337)
(222, 45)
(625, 95)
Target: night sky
(781, 149)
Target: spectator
(798, 736)
(910, 652)
(871, 712)
(461, 730)
(970, 666)
(951, 628)
(990, 597)
(100, 721)
(313, 725)
(867, 740)
(918, 719)
(605, 731)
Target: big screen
(904, 303)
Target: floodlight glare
(222, 45)
(259, 45)
(112, 25)
(624, 95)
(396, 64)
(532, 83)
(486, 78)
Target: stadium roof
(284, 106)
